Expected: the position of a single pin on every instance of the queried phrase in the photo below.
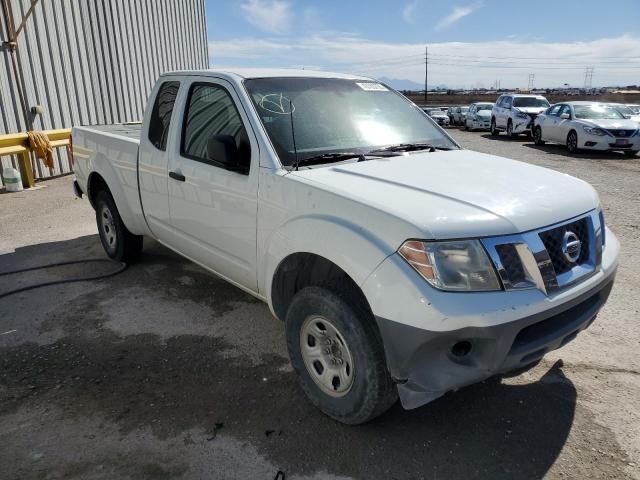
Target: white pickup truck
(401, 264)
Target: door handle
(177, 176)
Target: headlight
(457, 265)
(522, 115)
(594, 131)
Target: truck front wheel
(118, 242)
(337, 353)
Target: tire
(510, 133)
(466, 125)
(572, 142)
(537, 136)
(356, 390)
(631, 153)
(118, 242)
(494, 129)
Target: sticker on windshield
(372, 87)
(277, 103)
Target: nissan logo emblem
(571, 247)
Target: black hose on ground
(122, 266)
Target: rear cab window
(161, 114)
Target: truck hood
(458, 193)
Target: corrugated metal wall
(95, 61)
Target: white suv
(515, 113)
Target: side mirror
(627, 116)
(565, 116)
(223, 149)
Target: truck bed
(129, 130)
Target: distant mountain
(402, 84)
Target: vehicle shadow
(557, 149)
(174, 385)
(503, 138)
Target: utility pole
(426, 73)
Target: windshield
(327, 115)
(623, 109)
(484, 106)
(464, 109)
(530, 102)
(635, 109)
(596, 112)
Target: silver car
(479, 116)
(459, 115)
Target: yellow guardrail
(18, 144)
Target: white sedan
(587, 125)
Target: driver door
(550, 124)
(213, 182)
(564, 124)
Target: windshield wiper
(409, 147)
(328, 158)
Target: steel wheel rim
(326, 356)
(108, 228)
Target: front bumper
(481, 124)
(505, 330)
(522, 125)
(607, 143)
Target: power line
(538, 58)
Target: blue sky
(471, 43)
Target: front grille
(511, 263)
(620, 133)
(552, 240)
(535, 259)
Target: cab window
(213, 131)
(161, 114)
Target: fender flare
(323, 235)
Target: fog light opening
(461, 349)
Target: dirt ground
(164, 371)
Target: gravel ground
(165, 371)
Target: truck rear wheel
(118, 242)
(337, 353)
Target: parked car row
(578, 125)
